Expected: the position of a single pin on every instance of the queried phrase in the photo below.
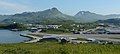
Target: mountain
(86, 16)
(115, 21)
(113, 16)
(3, 17)
(50, 16)
(54, 16)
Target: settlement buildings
(102, 29)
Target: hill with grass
(56, 48)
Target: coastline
(33, 39)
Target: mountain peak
(54, 8)
(85, 12)
(52, 15)
(53, 11)
(86, 16)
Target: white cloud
(13, 6)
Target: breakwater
(33, 38)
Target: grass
(55, 48)
(55, 31)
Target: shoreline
(33, 39)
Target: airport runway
(107, 37)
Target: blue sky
(70, 7)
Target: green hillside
(55, 48)
(41, 17)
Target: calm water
(7, 36)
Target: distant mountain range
(115, 21)
(3, 17)
(53, 15)
(86, 16)
(47, 16)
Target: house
(100, 31)
(49, 38)
(41, 26)
(53, 26)
(48, 26)
(113, 30)
(35, 29)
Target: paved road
(34, 38)
(110, 37)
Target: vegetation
(55, 48)
(115, 21)
(13, 26)
(55, 31)
(68, 27)
(2, 26)
(16, 26)
(56, 22)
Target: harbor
(7, 36)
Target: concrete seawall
(33, 38)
